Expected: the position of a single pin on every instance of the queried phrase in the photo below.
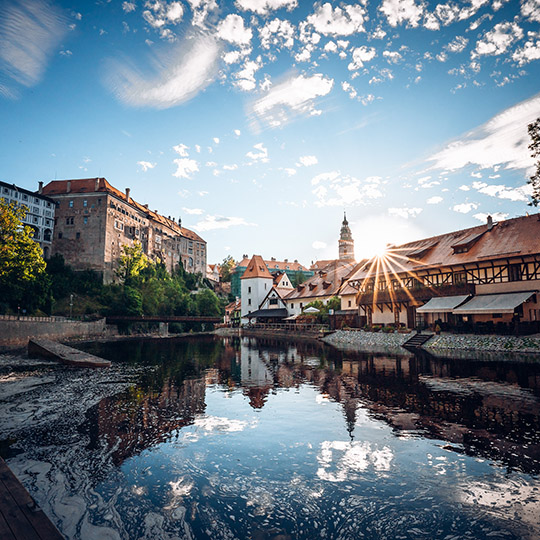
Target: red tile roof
(256, 268)
(275, 265)
(101, 185)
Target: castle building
(257, 282)
(346, 242)
(94, 220)
(40, 212)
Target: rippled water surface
(245, 438)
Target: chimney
(127, 194)
(97, 185)
(40, 187)
(489, 223)
(68, 187)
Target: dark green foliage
(534, 147)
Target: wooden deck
(20, 517)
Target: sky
(259, 122)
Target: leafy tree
(534, 147)
(208, 304)
(21, 259)
(226, 268)
(132, 261)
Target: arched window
(47, 235)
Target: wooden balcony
(420, 294)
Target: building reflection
(483, 409)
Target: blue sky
(258, 122)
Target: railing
(289, 327)
(52, 318)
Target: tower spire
(346, 242)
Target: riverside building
(40, 212)
(94, 220)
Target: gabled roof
(517, 237)
(256, 268)
(325, 282)
(101, 185)
(275, 265)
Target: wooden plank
(14, 516)
(5, 531)
(64, 354)
(35, 516)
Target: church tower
(346, 242)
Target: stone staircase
(417, 341)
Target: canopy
(442, 304)
(311, 309)
(493, 303)
(268, 313)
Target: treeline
(29, 285)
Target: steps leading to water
(417, 341)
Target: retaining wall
(16, 333)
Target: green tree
(208, 304)
(534, 147)
(226, 268)
(21, 259)
(131, 263)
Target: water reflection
(238, 438)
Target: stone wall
(467, 342)
(16, 333)
(368, 341)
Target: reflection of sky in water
(258, 445)
(291, 466)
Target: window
(36, 200)
(514, 272)
(249, 289)
(292, 305)
(24, 197)
(273, 301)
(85, 220)
(71, 204)
(249, 301)
(99, 202)
(349, 303)
(60, 235)
(460, 277)
(35, 210)
(77, 235)
(85, 203)
(301, 305)
(6, 190)
(69, 221)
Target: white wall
(253, 292)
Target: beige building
(482, 279)
(94, 220)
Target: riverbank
(381, 342)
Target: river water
(254, 438)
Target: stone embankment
(467, 342)
(368, 341)
(361, 340)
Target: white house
(256, 283)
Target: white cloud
(128, 7)
(402, 11)
(434, 200)
(210, 223)
(360, 55)
(232, 167)
(216, 140)
(262, 7)
(530, 51)
(531, 9)
(457, 45)
(333, 189)
(185, 167)
(277, 33)
(521, 193)
(307, 161)
(193, 211)
(237, 132)
(404, 212)
(232, 29)
(200, 10)
(499, 39)
(465, 208)
(318, 244)
(145, 165)
(503, 140)
(260, 155)
(30, 31)
(180, 77)
(245, 78)
(496, 216)
(181, 149)
(338, 21)
(296, 95)
(290, 171)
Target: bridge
(115, 319)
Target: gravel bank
(368, 341)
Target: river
(269, 439)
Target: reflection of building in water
(256, 377)
(135, 420)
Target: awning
(268, 314)
(493, 303)
(443, 304)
